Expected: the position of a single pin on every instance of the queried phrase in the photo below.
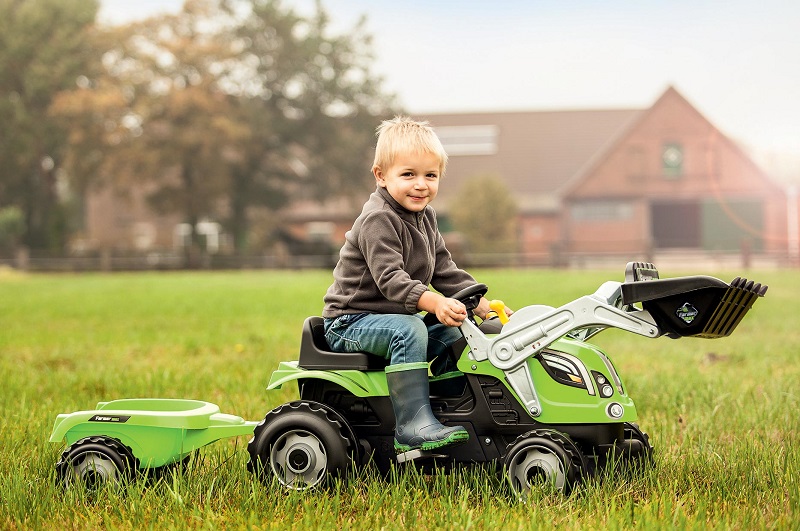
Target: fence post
(105, 259)
(747, 252)
(23, 258)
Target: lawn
(723, 414)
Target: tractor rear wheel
(301, 444)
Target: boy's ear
(379, 177)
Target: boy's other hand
(483, 309)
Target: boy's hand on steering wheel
(450, 311)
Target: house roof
(536, 152)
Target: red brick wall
(712, 167)
(537, 234)
(628, 235)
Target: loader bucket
(698, 306)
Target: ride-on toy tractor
(534, 395)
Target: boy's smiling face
(412, 180)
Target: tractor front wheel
(542, 459)
(637, 448)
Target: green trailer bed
(157, 431)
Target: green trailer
(119, 438)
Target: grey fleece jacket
(389, 259)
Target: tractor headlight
(606, 389)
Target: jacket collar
(397, 207)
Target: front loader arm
(534, 328)
(697, 306)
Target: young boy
(391, 255)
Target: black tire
(637, 448)
(543, 458)
(95, 462)
(301, 444)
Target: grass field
(723, 415)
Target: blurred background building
(588, 184)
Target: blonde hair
(404, 135)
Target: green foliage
(44, 47)
(484, 212)
(12, 225)
(722, 414)
(226, 108)
(311, 105)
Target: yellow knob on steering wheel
(499, 308)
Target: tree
(44, 48)
(485, 214)
(311, 103)
(228, 107)
(162, 117)
(12, 226)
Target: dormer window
(672, 160)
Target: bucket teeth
(736, 302)
(749, 285)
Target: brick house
(622, 182)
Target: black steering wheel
(469, 297)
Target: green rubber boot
(415, 425)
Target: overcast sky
(737, 61)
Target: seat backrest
(316, 326)
(315, 353)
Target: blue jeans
(396, 337)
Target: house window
(320, 231)
(469, 139)
(672, 160)
(602, 210)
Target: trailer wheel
(301, 444)
(94, 462)
(542, 458)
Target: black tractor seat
(315, 354)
